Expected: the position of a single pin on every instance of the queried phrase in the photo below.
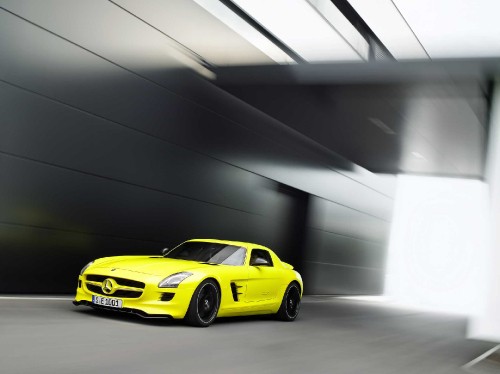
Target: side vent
(234, 290)
(167, 296)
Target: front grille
(167, 296)
(120, 281)
(96, 288)
(118, 293)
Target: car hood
(151, 265)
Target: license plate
(107, 301)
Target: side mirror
(164, 251)
(259, 261)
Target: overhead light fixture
(233, 21)
(299, 25)
(386, 21)
(345, 28)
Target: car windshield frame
(210, 253)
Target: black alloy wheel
(290, 305)
(204, 304)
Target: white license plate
(107, 301)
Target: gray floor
(330, 336)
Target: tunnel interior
(125, 129)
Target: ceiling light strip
(409, 27)
(299, 26)
(237, 20)
(377, 48)
(338, 22)
(384, 18)
(261, 29)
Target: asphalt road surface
(330, 336)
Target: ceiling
(434, 29)
(288, 58)
(195, 28)
(428, 118)
(393, 117)
(310, 64)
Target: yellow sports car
(199, 280)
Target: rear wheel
(204, 304)
(290, 305)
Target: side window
(237, 258)
(260, 257)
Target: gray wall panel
(328, 279)
(59, 135)
(41, 260)
(106, 155)
(69, 18)
(76, 208)
(346, 250)
(68, 73)
(331, 217)
(47, 196)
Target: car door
(263, 277)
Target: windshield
(213, 253)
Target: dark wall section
(346, 250)
(296, 230)
(100, 156)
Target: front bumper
(148, 305)
(123, 310)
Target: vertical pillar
(487, 324)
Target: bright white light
(224, 14)
(486, 325)
(386, 22)
(337, 20)
(439, 244)
(297, 24)
(452, 28)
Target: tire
(204, 304)
(290, 305)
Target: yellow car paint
(260, 289)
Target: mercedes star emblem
(107, 286)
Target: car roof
(230, 242)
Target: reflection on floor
(488, 363)
(330, 336)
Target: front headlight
(86, 266)
(174, 280)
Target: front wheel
(290, 305)
(204, 304)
